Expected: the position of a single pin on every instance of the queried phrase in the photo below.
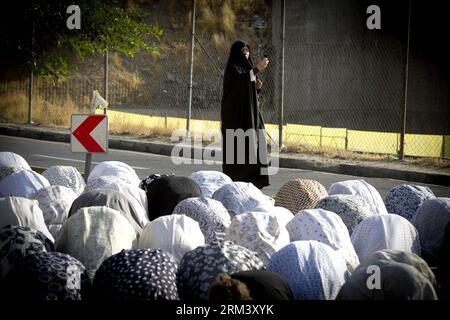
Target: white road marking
(76, 160)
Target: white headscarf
(66, 176)
(313, 270)
(55, 203)
(10, 159)
(117, 169)
(362, 189)
(326, 227)
(430, 220)
(260, 232)
(386, 231)
(241, 197)
(136, 195)
(22, 184)
(210, 214)
(94, 234)
(23, 212)
(210, 181)
(176, 234)
(282, 214)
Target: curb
(284, 162)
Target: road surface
(46, 154)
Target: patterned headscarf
(176, 234)
(23, 212)
(47, 276)
(405, 199)
(117, 169)
(326, 227)
(94, 234)
(66, 176)
(397, 281)
(241, 197)
(430, 220)
(142, 274)
(17, 242)
(133, 193)
(351, 209)
(361, 189)
(210, 181)
(313, 270)
(11, 159)
(386, 231)
(23, 183)
(55, 203)
(201, 266)
(210, 214)
(260, 232)
(114, 200)
(300, 194)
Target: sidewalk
(380, 169)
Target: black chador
(240, 111)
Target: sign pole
(88, 158)
(87, 165)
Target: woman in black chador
(240, 111)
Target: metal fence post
(106, 79)
(401, 153)
(191, 71)
(281, 111)
(30, 88)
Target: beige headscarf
(300, 194)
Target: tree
(34, 34)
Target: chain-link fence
(344, 85)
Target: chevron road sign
(89, 133)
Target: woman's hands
(262, 64)
(258, 84)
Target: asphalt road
(46, 154)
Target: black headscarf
(165, 193)
(265, 285)
(240, 111)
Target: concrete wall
(341, 74)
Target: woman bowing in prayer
(240, 111)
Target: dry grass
(121, 127)
(220, 42)
(435, 162)
(228, 20)
(115, 60)
(333, 153)
(208, 20)
(14, 108)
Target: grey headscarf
(111, 199)
(430, 220)
(397, 281)
(23, 212)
